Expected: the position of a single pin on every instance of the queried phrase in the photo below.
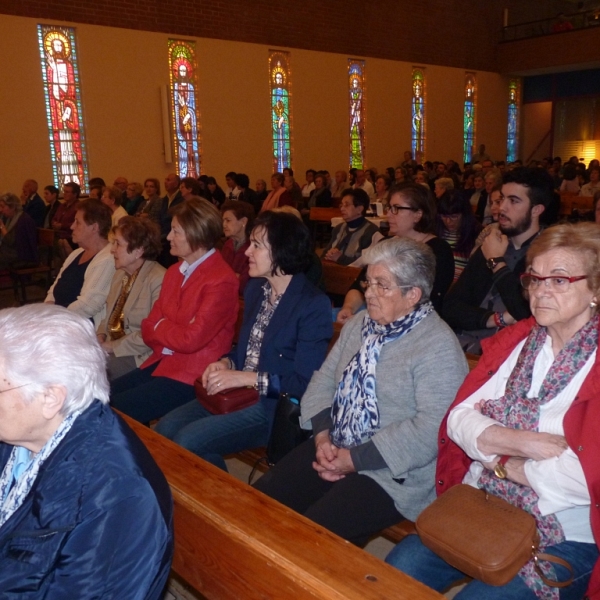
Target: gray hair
(446, 182)
(12, 201)
(43, 345)
(410, 263)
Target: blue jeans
(211, 436)
(414, 559)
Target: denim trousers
(414, 559)
(211, 436)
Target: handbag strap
(553, 559)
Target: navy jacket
(36, 209)
(295, 342)
(97, 522)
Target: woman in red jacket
(191, 324)
(524, 425)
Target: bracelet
(498, 320)
(503, 323)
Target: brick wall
(457, 34)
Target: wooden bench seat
(233, 542)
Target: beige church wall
(535, 123)
(123, 70)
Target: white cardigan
(91, 301)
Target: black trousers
(355, 507)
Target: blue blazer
(97, 522)
(295, 341)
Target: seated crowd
(143, 312)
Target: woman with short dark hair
(192, 322)
(283, 340)
(84, 279)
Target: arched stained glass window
(281, 128)
(185, 118)
(356, 92)
(469, 116)
(512, 136)
(60, 72)
(418, 115)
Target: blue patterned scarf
(12, 496)
(354, 411)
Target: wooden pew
(233, 542)
(338, 278)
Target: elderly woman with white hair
(84, 510)
(375, 405)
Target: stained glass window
(418, 115)
(185, 119)
(512, 140)
(60, 73)
(356, 92)
(469, 117)
(280, 81)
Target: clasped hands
(332, 463)
(218, 377)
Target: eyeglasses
(13, 388)
(380, 288)
(451, 217)
(394, 208)
(555, 283)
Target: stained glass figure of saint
(418, 114)
(184, 107)
(513, 115)
(469, 118)
(280, 111)
(356, 113)
(63, 104)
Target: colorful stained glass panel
(356, 97)
(280, 85)
(469, 117)
(418, 115)
(62, 91)
(512, 141)
(185, 117)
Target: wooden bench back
(324, 214)
(338, 278)
(233, 542)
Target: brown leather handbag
(483, 536)
(226, 401)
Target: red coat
(581, 425)
(198, 320)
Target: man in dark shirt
(488, 293)
(34, 206)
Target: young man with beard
(488, 294)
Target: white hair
(410, 263)
(43, 345)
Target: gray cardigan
(417, 378)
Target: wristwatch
(500, 470)
(492, 263)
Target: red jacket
(581, 425)
(198, 320)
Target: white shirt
(368, 187)
(559, 482)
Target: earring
(593, 303)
